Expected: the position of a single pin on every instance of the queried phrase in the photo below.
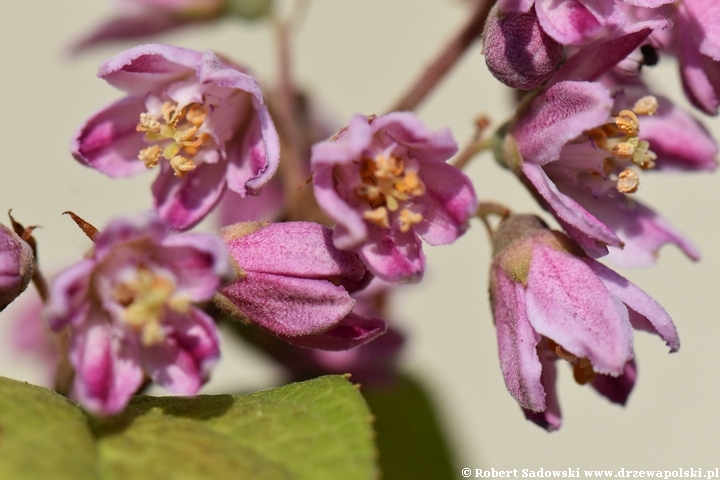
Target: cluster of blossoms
(310, 281)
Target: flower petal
(568, 303)
(450, 201)
(517, 342)
(200, 262)
(351, 332)
(550, 418)
(558, 115)
(298, 249)
(423, 144)
(639, 302)
(150, 67)
(617, 389)
(289, 306)
(393, 258)
(588, 230)
(107, 370)
(109, 142)
(183, 202)
(68, 296)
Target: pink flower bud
(16, 266)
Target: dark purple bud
(517, 50)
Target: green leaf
(43, 435)
(409, 437)
(311, 430)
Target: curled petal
(352, 332)
(639, 302)
(68, 296)
(148, 67)
(109, 142)
(569, 211)
(423, 144)
(617, 389)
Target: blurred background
(358, 57)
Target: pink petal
(422, 143)
(559, 115)
(132, 26)
(200, 263)
(569, 211)
(617, 389)
(393, 258)
(109, 142)
(289, 306)
(351, 332)
(567, 21)
(567, 303)
(107, 371)
(183, 202)
(642, 231)
(298, 249)
(148, 68)
(517, 342)
(639, 302)
(351, 230)
(68, 296)
(550, 418)
(592, 61)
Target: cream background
(358, 56)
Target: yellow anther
(171, 113)
(628, 181)
(186, 136)
(408, 218)
(150, 156)
(379, 217)
(148, 123)
(387, 167)
(628, 123)
(624, 149)
(196, 114)
(411, 184)
(181, 165)
(599, 137)
(647, 105)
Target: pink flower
(142, 18)
(579, 22)
(16, 266)
(582, 153)
(695, 40)
(385, 182)
(294, 284)
(130, 308)
(198, 119)
(551, 301)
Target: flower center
(621, 140)
(145, 299)
(388, 187)
(174, 137)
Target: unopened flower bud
(16, 266)
(517, 50)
